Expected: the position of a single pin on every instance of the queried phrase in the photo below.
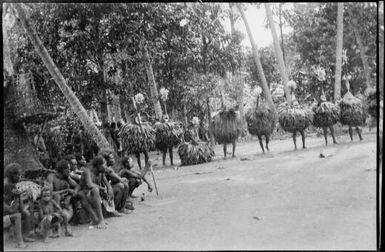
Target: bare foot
(124, 211)
(21, 245)
(68, 233)
(116, 214)
(102, 225)
(28, 239)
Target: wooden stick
(153, 177)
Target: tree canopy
(97, 47)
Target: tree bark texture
(76, 106)
(281, 33)
(18, 146)
(152, 85)
(211, 133)
(364, 58)
(340, 28)
(278, 53)
(257, 61)
(6, 52)
(381, 53)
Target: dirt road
(281, 200)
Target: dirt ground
(281, 200)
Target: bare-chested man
(119, 184)
(99, 177)
(91, 200)
(134, 178)
(64, 188)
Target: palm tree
(152, 84)
(74, 102)
(362, 48)
(6, 53)
(340, 28)
(265, 87)
(278, 52)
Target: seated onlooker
(64, 188)
(51, 215)
(75, 172)
(99, 177)
(12, 218)
(91, 200)
(14, 210)
(81, 160)
(134, 178)
(119, 185)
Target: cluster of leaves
(99, 47)
(314, 34)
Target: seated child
(51, 214)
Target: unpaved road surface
(281, 200)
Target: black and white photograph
(192, 126)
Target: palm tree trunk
(6, 52)
(364, 58)
(281, 33)
(278, 53)
(152, 84)
(236, 77)
(340, 28)
(381, 50)
(76, 106)
(211, 133)
(257, 61)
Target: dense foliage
(97, 46)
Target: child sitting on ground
(51, 215)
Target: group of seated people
(73, 193)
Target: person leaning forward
(134, 178)
(119, 184)
(64, 188)
(99, 177)
(91, 199)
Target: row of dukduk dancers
(40, 203)
(261, 121)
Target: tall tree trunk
(340, 28)
(211, 133)
(152, 84)
(185, 115)
(235, 75)
(257, 61)
(74, 102)
(232, 27)
(278, 53)
(103, 102)
(364, 58)
(6, 52)
(18, 145)
(280, 30)
(381, 50)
